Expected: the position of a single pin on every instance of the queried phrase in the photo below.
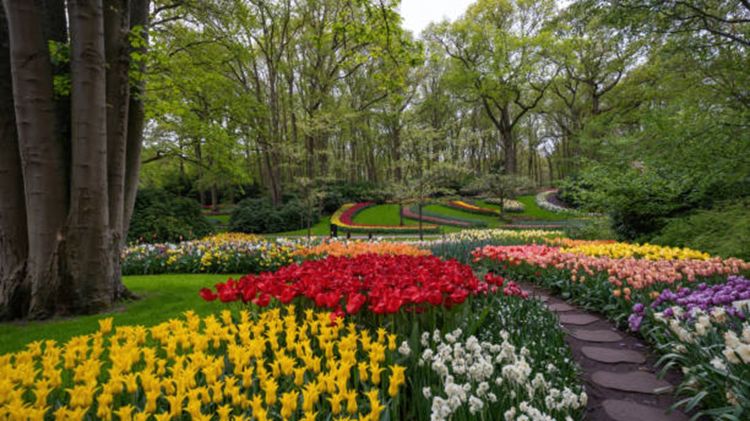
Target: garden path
(617, 368)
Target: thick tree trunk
(136, 116)
(42, 155)
(14, 247)
(89, 246)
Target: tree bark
(90, 246)
(14, 247)
(42, 155)
(136, 116)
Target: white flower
(718, 364)
(404, 349)
(510, 414)
(475, 404)
(427, 392)
(425, 340)
(744, 352)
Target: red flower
(355, 303)
(207, 294)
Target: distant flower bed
(412, 212)
(468, 207)
(542, 200)
(340, 248)
(344, 219)
(510, 205)
(222, 253)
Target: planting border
(344, 219)
(429, 216)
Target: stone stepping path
(633, 381)
(577, 319)
(612, 356)
(630, 411)
(617, 368)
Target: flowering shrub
(223, 253)
(271, 366)
(380, 284)
(344, 218)
(356, 248)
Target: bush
(160, 216)
(723, 230)
(260, 216)
(591, 229)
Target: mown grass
(492, 221)
(386, 214)
(162, 297)
(532, 210)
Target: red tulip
(207, 294)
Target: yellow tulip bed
(273, 365)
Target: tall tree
(74, 182)
(498, 49)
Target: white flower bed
(482, 377)
(510, 204)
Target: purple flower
(634, 321)
(638, 308)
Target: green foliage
(590, 229)
(261, 216)
(723, 230)
(338, 192)
(160, 216)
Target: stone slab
(634, 381)
(620, 410)
(613, 356)
(593, 335)
(577, 319)
(560, 307)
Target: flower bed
(468, 207)
(340, 248)
(223, 253)
(542, 200)
(412, 212)
(693, 287)
(274, 365)
(379, 284)
(344, 219)
(510, 205)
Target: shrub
(160, 216)
(722, 231)
(590, 229)
(260, 216)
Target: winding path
(617, 368)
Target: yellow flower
(397, 379)
(288, 404)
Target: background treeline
(635, 108)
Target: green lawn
(386, 214)
(532, 210)
(162, 297)
(222, 218)
(490, 220)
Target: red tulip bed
(422, 299)
(380, 284)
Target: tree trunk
(42, 154)
(89, 245)
(136, 117)
(14, 247)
